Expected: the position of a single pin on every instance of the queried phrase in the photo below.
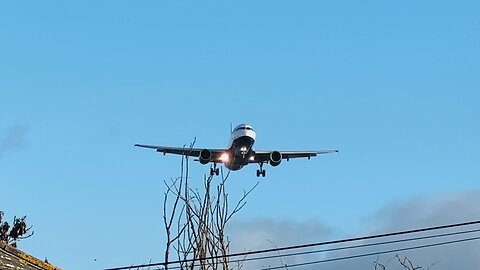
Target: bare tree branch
(407, 264)
(201, 216)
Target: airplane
(239, 153)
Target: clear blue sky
(393, 86)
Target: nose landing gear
(261, 171)
(214, 170)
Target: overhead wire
(372, 253)
(346, 247)
(353, 247)
(369, 237)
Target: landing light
(224, 157)
(252, 158)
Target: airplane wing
(186, 151)
(264, 156)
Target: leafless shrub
(195, 220)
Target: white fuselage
(240, 148)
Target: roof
(12, 258)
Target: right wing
(264, 156)
(186, 151)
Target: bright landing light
(225, 157)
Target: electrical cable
(347, 247)
(305, 245)
(372, 253)
(353, 247)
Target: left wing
(187, 151)
(264, 156)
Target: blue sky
(393, 86)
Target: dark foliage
(11, 234)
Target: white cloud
(411, 214)
(268, 233)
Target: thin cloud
(414, 213)
(13, 139)
(417, 213)
(268, 233)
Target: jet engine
(205, 156)
(275, 158)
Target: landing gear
(214, 170)
(261, 171)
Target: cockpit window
(243, 127)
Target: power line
(373, 253)
(455, 225)
(348, 247)
(354, 246)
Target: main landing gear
(214, 170)
(261, 171)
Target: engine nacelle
(205, 156)
(275, 158)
